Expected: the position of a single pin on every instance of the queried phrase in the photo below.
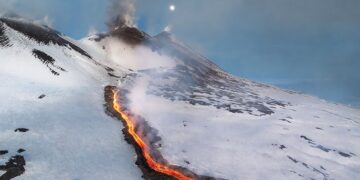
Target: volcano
(127, 105)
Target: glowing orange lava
(145, 149)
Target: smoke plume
(121, 12)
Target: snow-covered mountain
(64, 105)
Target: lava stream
(144, 148)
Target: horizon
(279, 51)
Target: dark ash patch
(48, 61)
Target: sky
(311, 46)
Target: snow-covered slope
(196, 115)
(231, 128)
(59, 97)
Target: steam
(168, 28)
(121, 12)
(136, 58)
(45, 21)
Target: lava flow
(140, 142)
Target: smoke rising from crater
(121, 12)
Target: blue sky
(309, 46)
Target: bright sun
(172, 7)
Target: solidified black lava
(21, 130)
(148, 173)
(280, 146)
(41, 34)
(4, 40)
(21, 150)
(113, 75)
(2, 152)
(344, 154)
(14, 167)
(48, 61)
(45, 58)
(307, 139)
(285, 120)
(293, 159)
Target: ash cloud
(120, 13)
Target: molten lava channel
(140, 142)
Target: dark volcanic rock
(21, 130)
(344, 154)
(41, 34)
(48, 61)
(21, 150)
(14, 167)
(293, 159)
(42, 96)
(130, 35)
(2, 152)
(4, 40)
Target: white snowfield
(250, 131)
(70, 136)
